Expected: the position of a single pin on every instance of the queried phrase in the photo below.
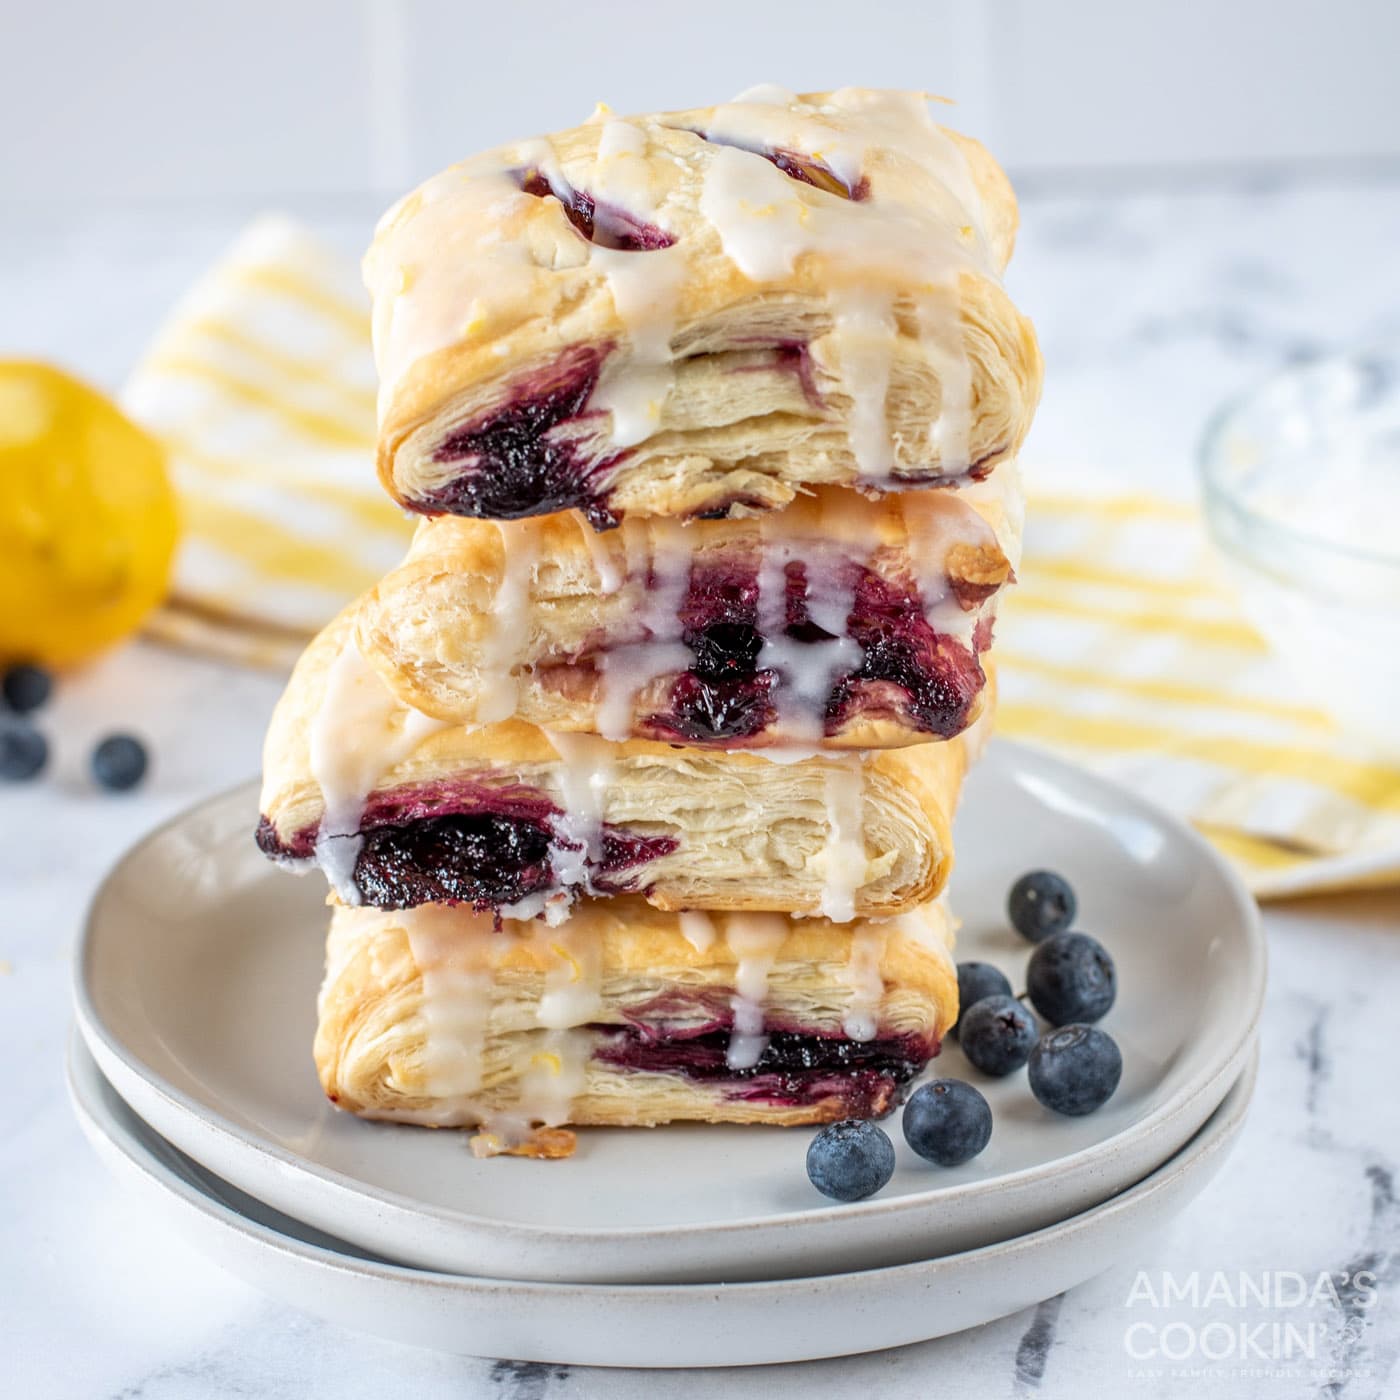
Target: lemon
(88, 521)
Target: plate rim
(1220, 1129)
(106, 1046)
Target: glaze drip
(361, 731)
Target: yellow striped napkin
(262, 385)
(1122, 649)
(1118, 648)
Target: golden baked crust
(432, 1017)
(642, 632)
(726, 830)
(686, 312)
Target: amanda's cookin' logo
(1283, 1318)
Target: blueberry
(850, 1160)
(1040, 904)
(1075, 1069)
(998, 1034)
(23, 752)
(947, 1121)
(119, 762)
(1070, 977)
(975, 981)
(725, 649)
(26, 688)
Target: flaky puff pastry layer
(685, 312)
(668, 631)
(725, 830)
(432, 1017)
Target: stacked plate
(192, 1075)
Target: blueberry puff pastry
(840, 622)
(628, 1016)
(692, 313)
(402, 810)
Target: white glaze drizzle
(1006, 499)
(584, 778)
(505, 644)
(766, 221)
(759, 220)
(628, 669)
(553, 906)
(755, 940)
(941, 335)
(432, 283)
(865, 337)
(863, 977)
(601, 545)
(361, 731)
(698, 929)
(645, 288)
(554, 1078)
(454, 963)
(573, 981)
(570, 1000)
(455, 954)
(806, 671)
(933, 522)
(843, 859)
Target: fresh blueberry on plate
(975, 981)
(998, 1035)
(1071, 977)
(1041, 903)
(850, 1160)
(947, 1121)
(1075, 1069)
(23, 752)
(119, 762)
(26, 688)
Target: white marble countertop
(1151, 309)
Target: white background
(118, 102)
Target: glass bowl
(1301, 482)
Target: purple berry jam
(791, 357)
(907, 670)
(796, 1068)
(458, 844)
(623, 853)
(519, 459)
(604, 224)
(481, 860)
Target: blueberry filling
(482, 858)
(624, 851)
(795, 1068)
(603, 224)
(479, 860)
(711, 711)
(724, 649)
(931, 681)
(518, 460)
(939, 683)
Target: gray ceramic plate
(646, 1325)
(196, 986)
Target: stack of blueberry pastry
(634, 782)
